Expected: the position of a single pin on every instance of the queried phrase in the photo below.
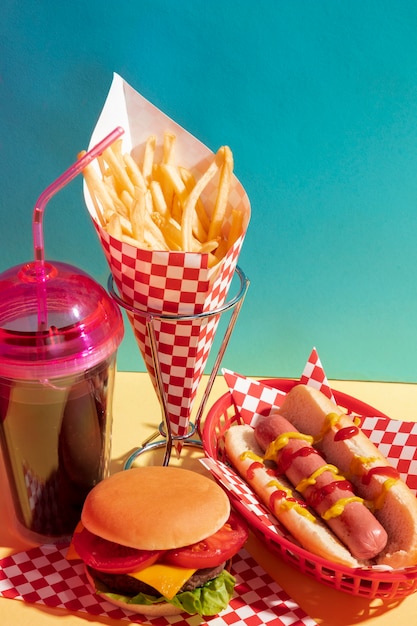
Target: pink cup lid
(82, 325)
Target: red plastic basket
(366, 582)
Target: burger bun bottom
(148, 610)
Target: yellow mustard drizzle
(312, 479)
(359, 463)
(281, 441)
(329, 422)
(378, 503)
(275, 483)
(286, 504)
(248, 454)
(339, 506)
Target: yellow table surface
(136, 415)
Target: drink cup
(57, 369)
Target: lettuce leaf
(213, 597)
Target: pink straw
(46, 195)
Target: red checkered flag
(314, 375)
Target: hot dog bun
(373, 476)
(290, 510)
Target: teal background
(318, 100)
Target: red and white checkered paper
(43, 576)
(397, 440)
(178, 283)
(251, 397)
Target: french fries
(158, 204)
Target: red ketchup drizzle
(272, 472)
(279, 494)
(346, 433)
(251, 469)
(391, 472)
(288, 457)
(318, 495)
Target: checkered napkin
(397, 440)
(44, 576)
(168, 282)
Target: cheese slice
(167, 579)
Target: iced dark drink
(56, 442)
(56, 387)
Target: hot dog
(329, 445)
(374, 478)
(321, 484)
(278, 496)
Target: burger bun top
(155, 508)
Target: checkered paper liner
(43, 576)
(397, 440)
(251, 397)
(160, 282)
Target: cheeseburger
(159, 541)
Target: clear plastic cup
(56, 386)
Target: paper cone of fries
(155, 276)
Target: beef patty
(129, 586)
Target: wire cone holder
(168, 440)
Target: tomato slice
(110, 557)
(212, 551)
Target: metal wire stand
(168, 439)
